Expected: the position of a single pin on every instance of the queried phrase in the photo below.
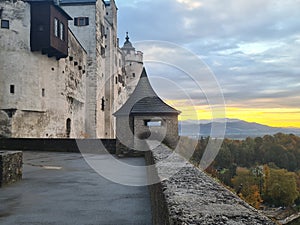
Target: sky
(249, 50)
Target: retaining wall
(186, 195)
(59, 145)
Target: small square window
(12, 89)
(153, 123)
(5, 24)
(81, 21)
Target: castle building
(62, 72)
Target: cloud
(190, 4)
(252, 47)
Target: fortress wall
(101, 146)
(46, 91)
(192, 197)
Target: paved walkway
(61, 189)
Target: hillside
(237, 129)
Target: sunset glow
(275, 117)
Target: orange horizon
(273, 117)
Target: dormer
(49, 28)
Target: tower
(133, 64)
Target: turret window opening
(153, 123)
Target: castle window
(12, 89)
(5, 24)
(133, 74)
(120, 78)
(68, 128)
(81, 21)
(102, 30)
(153, 123)
(102, 104)
(102, 51)
(61, 31)
(116, 80)
(43, 92)
(56, 28)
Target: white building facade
(51, 93)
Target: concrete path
(61, 189)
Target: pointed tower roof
(144, 100)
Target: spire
(127, 37)
(128, 45)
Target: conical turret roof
(144, 100)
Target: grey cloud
(215, 32)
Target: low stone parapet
(10, 167)
(101, 146)
(186, 195)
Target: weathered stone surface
(192, 197)
(5, 125)
(47, 92)
(10, 167)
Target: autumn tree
(245, 183)
(281, 188)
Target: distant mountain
(235, 129)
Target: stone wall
(47, 92)
(92, 40)
(5, 125)
(60, 145)
(166, 133)
(10, 167)
(124, 135)
(186, 195)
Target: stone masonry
(10, 167)
(46, 92)
(192, 197)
